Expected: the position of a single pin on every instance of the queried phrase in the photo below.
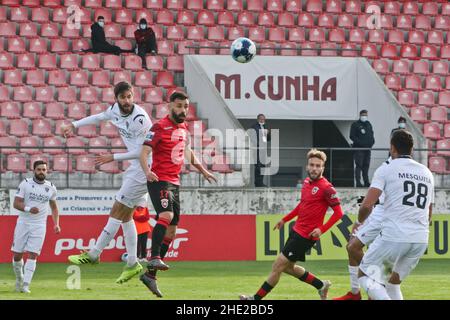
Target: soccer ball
(124, 257)
(243, 50)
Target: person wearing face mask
(98, 39)
(145, 41)
(361, 133)
(401, 124)
(262, 137)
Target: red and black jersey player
(168, 140)
(316, 196)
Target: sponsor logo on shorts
(164, 203)
(314, 190)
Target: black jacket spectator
(361, 133)
(99, 43)
(145, 41)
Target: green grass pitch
(212, 280)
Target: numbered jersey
(408, 187)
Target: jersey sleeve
(331, 196)
(21, 189)
(153, 136)
(53, 197)
(379, 180)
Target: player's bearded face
(125, 101)
(179, 110)
(315, 168)
(40, 173)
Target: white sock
(394, 291)
(18, 269)
(29, 268)
(375, 290)
(130, 236)
(108, 233)
(354, 282)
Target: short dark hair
(363, 111)
(122, 87)
(143, 21)
(178, 95)
(401, 119)
(100, 17)
(38, 163)
(403, 141)
(259, 115)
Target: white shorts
(371, 228)
(28, 237)
(132, 193)
(384, 257)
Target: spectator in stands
(361, 133)
(145, 41)
(401, 124)
(262, 137)
(98, 39)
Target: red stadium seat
(216, 33)
(106, 13)
(110, 167)
(16, 163)
(70, 61)
(314, 6)
(419, 114)
(18, 128)
(113, 31)
(286, 19)
(29, 145)
(24, 61)
(28, 30)
(257, 34)
(445, 9)
(162, 110)
(153, 95)
(107, 129)
(381, 66)
(42, 128)
(165, 17)
(62, 163)
(93, 3)
(87, 131)
(47, 61)
(32, 110)
(423, 23)
(404, 22)
(225, 18)
(13, 77)
(117, 145)
(235, 5)
(408, 51)
(175, 4)
(97, 108)
(108, 95)
(6, 60)
(235, 32)
(143, 79)
(23, 94)
(79, 78)
(396, 37)
(76, 111)
(67, 94)
(349, 50)
(333, 6)
(4, 93)
(411, 8)
(155, 4)
(38, 45)
(88, 95)
(392, 8)
(215, 5)
(325, 20)
(369, 50)
(195, 33)
(60, 15)
(416, 37)
(208, 48)
(3, 131)
(439, 114)
(386, 22)
(133, 63)
(16, 45)
(124, 16)
(437, 164)
(432, 131)
(175, 33)
(57, 78)
(100, 79)
(357, 36)
(39, 156)
(274, 6)
(144, 13)
(421, 67)
(436, 37)
(54, 110)
(442, 23)
(413, 82)
(182, 50)
(376, 36)
(266, 19)
(186, 18)
(406, 98)
(166, 47)
(430, 8)
(246, 19)
(393, 82)
(59, 45)
(8, 142)
(345, 21)
(98, 145)
(444, 98)
(19, 14)
(317, 35)
(49, 30)
(294, 6)
(195, 5)
(296, 35)
(205, 18)
(447, 130)
(426, 98)
(121, 76)
(10, 110)
(255, 5)
(306, 20)
(3, 17)
(110, 62)
(447, 83)
(7, 29)
(287, 49)
(277, 35)
(433, 82)
(389, 51)
(308, 45)
(85, 164)
(440, 67)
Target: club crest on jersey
(164, 203)
(314, 190)
(46, 189)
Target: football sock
(312, 280)
(17, 267)
(394, 291)
(354, 282)
(158, 234)
(130, 235)
(374, 290)
(108, 233)
(263, 291)
(164, 248)
(29, 268)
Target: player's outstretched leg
(129, 272)
(158, 234)
(150, 282)
(83, 258)
(133, 267)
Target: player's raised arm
(55, 216)
(190, 155)
(67, 129)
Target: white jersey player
(133, 124)
(409, 191)
(362, 235)
(32, 200)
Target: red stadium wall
(199, 238)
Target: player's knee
(17, 256)
(32, 255)
(353, 247)
(395, 278)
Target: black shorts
(165, 196)
(296, 247)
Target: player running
(133, 124)
(409, 191)
(317, 195)
(32, 199)
(362, 235)
(169, 140)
